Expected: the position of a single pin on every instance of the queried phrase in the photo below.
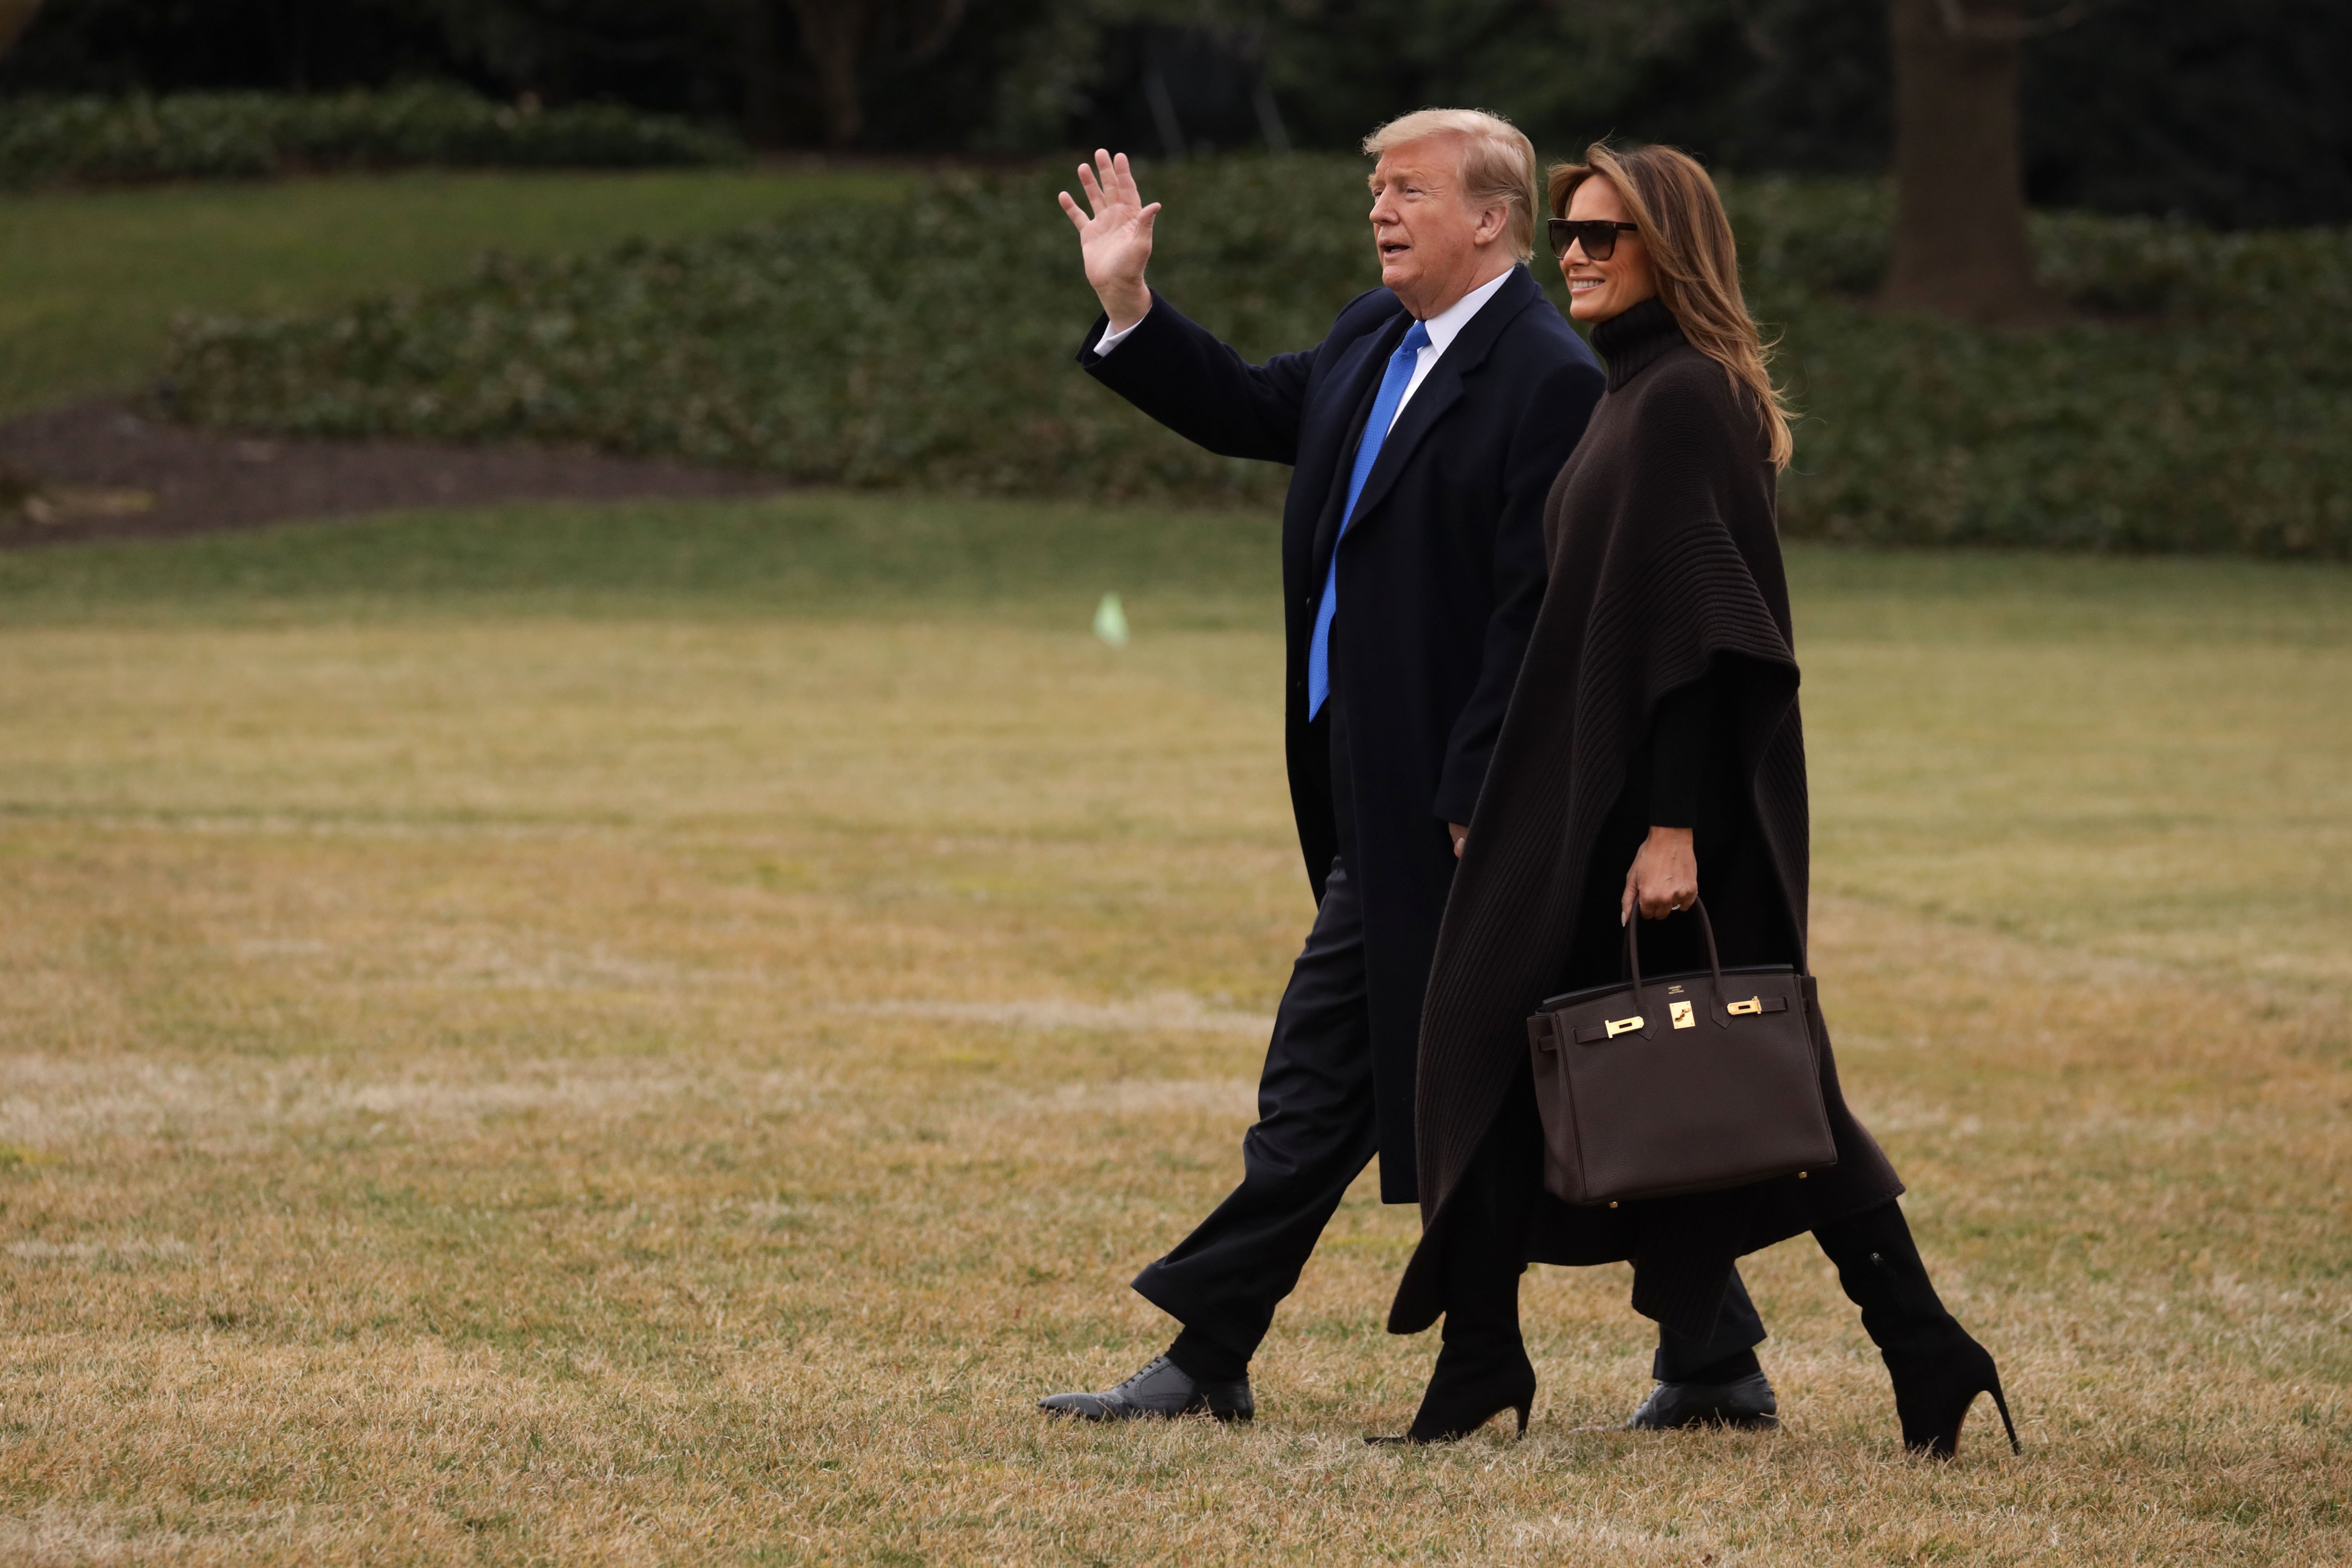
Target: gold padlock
(1617, 1026)
(1681, 1014)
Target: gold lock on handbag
(1684, 1083)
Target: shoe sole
(1735, 1423)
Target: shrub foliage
(2201, 401)
(235, 135)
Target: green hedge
(237, 135)
(2203, 401)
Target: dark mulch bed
(104, 470)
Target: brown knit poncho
(1665, 573)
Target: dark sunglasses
(1599, 236)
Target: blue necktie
(1367, 452)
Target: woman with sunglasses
(1653, 734)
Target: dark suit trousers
(1315, 1130)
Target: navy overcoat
(1439, 581)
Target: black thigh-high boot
(1938, 1369)
(1482, 1365)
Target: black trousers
(1314, 1135)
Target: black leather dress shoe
(1747, 1403)
(1161, 1391)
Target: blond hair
(1681, 218)
(1497, 166)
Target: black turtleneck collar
(1633, 339)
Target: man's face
(1428, 240)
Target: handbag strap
(1714, 959)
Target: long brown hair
(1696, 262)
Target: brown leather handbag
(1682, 1083)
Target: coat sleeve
(1550, 423)
(1678, 754)
(1180, 374)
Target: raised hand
(1116, 241)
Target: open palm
(1115, 240)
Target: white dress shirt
(1443, 328)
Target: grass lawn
(652, 1034)
(90, 280)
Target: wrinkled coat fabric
(1664, 572)
(1439, 577)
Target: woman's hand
(1665, 875)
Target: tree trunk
(1960, 247)
(15, 17)
(833, 32)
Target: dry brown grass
(524, 1088)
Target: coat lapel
(1441, 389)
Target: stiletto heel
(2002, 1405)
(1933, 1393)
(1471, 1386)
(1420, 1434)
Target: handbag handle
(1714, 959)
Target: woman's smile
(1617, 279)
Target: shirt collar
(1444, 326)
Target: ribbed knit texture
(1664, 569)
(1632, 340)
